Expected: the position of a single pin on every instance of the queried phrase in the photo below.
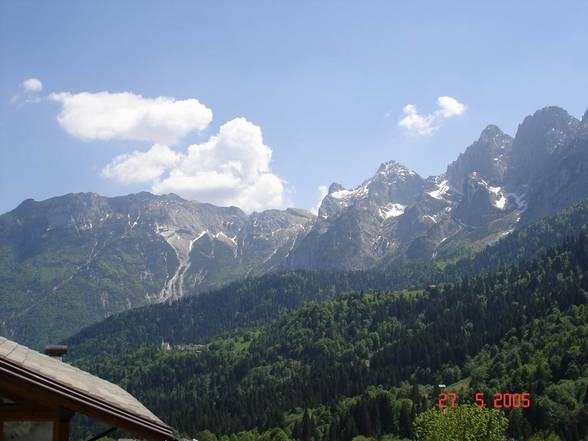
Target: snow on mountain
(441, 189)
(106, 255)
(186, 247)
(500, 200)
(392, 210)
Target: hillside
(74, 260)
(487, 329)
(245, 305)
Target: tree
(308, 429)
(543, 436)
(276, 434)
(207, 435)
(464, 422)
(404, 420)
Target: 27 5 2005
(506, 400)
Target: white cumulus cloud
(32, 85)
(140, 167)
(127, 116)
(449, 106)
(29, 92)
(421, 125)
(415, 123)
(231, 168)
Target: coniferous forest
(338, 356)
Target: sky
(262, 104)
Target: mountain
(73, 260)
(243, 305)
(499, 184)
(365, 363)
(547, 131)
(489, 156)
(84, 257)
(355, 228)
(563, 177)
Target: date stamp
(506, 400)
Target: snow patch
(392, 210)
(442, 188)
(500, 202)
(181, 243)
(359, 192)
(193, 241)
(135, 222)
(220, 235)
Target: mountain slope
(321, 354)
(245, 305)
(76, 259)
(349, 233)
(489, 156)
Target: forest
(363, 361)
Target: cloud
(422, 125)
(127, 116)
(140, 167)
(415, 123)
(450, 107)
(32, 85)
(323, 191)
(231, 168)
(28, 93)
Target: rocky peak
(539, 136)
(551, 116)
(393, 168)
(488, 157)
(490, 132)
(393, 183)
(335, 187)
(393, 172)
(61, 211)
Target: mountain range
(348, 356)
(73, 260)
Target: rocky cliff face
(496, 185)
(489, 157)
(538, 137)
(83, 257)
(190, 230)
(355, 228)
(563, 177)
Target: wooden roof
(24, 371)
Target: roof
(81, 387)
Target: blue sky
(320, 85)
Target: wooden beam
(60, 430)
(26, 412)
(61, 425)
